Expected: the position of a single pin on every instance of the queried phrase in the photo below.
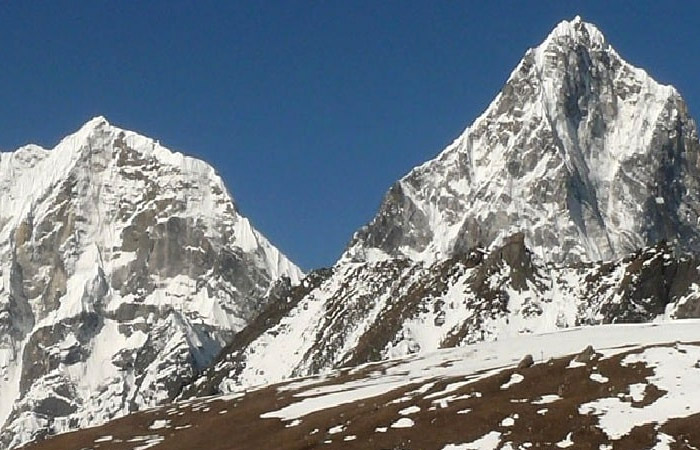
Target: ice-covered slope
(584, 153)
(124, 269)
(548, 212)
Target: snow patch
(403, 422)
(514, 379)
(489, 441)
(566, 442)
(598, 378)
(409, 410)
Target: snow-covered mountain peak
(584, 153)
(585, 41)
(124, 268)
(576, 32)
(99, 135)
(96, 122)
(79, 139)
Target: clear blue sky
(308, 109)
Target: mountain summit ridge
(579, 31)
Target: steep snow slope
(580, 158)
(612, 386)
(584, 153)
(124, 269)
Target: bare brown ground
(236, 424)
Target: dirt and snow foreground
(635, 388)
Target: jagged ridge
(367, 312)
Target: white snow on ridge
(489, 356)
(293, 337)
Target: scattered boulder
(587, 355)
(680, 349)
(526, 362)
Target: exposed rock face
(124, 269)
(583, 153)
(580, 159)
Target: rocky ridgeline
(585, 154)
(531, 221)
